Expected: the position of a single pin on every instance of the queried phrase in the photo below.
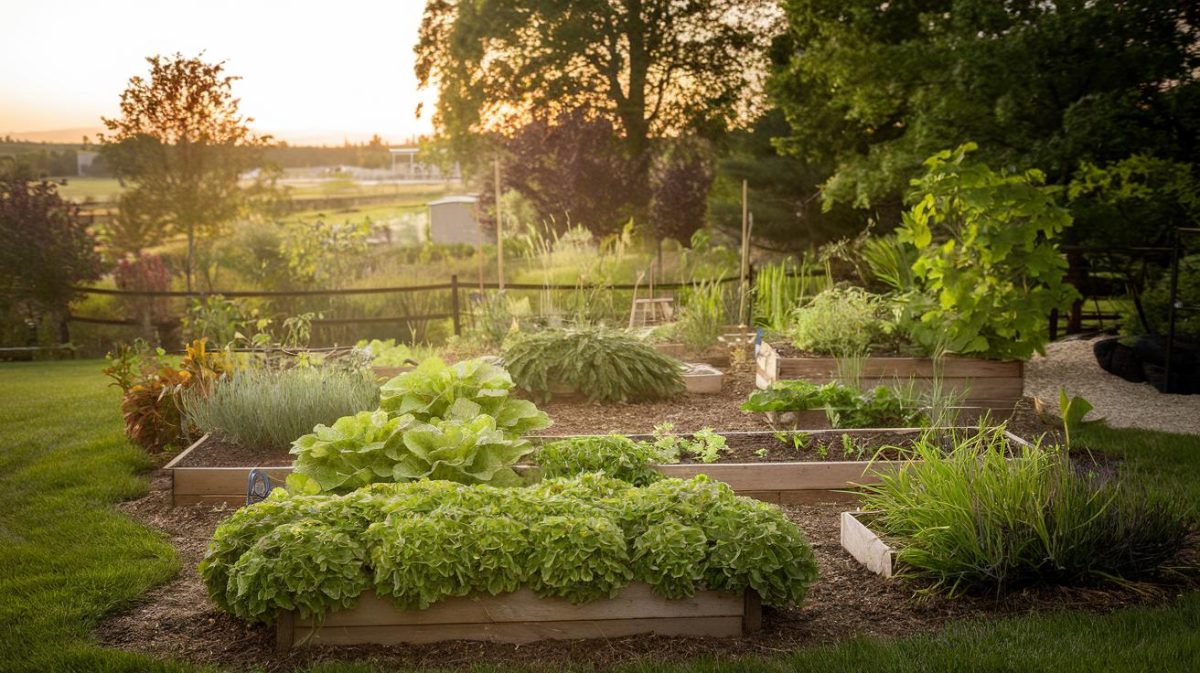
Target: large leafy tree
(649, 68)
(47, 251)
(872, 88)
(181, 145)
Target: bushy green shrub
(582, 538)
(605, 365)
(840, 321)
(270, 408)
(615, 455)
(986, 515)
(703, 315)
(462, 391)
(1156, 303)
(989, 268)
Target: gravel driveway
(1071, 364)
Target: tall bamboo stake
(499, 230)
(742, 291)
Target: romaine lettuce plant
(461, 391)
(370, 447)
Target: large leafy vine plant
(988, 262)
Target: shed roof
(464, 198)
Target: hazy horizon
(320, 76)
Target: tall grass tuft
(779, 287)
(268, 408)
(703, 315)
(988, 515)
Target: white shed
(452, 219)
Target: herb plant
(990, 516)
(604, 365)
(270, 408)
(840, 321)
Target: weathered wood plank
(525, 606)
(220, 480)
(522, 617)
(521, 632)
(903, 368)
(865, 546)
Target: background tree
(47, 251)
(650, 68)
(784, 192)
(872, 88)
(680, 177)
(181, 145)
(572, 170)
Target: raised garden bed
(828, 462)
(702, 379)
(986, 384)
(523, 617)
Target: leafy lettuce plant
(615, 455)
(846, 407)
(460, 391)
(370, 447)
(581, 538)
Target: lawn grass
(68, 557)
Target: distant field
(96, 189)
(107, 189)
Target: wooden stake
(742, 292)
(499, 230)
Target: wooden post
(499, 231)
(454, 304)
(745, 252)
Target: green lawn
(69, 557)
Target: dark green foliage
(581, 539)
(986, 515)
(871, 89)
(1156, 302)
(615, 455)
(605, 365)
(988, 266)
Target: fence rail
(446, 302)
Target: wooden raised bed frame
(989, 384)
(781, 483)
(865, 545)
(522, 617)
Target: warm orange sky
(313, 71)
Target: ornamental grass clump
(604, 365)
(990, 516)
(581, 539)
(270, 408)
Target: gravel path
(1071, 364)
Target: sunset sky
(313, 72)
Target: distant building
(84, 160)
(406, 166)
(453, 219)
